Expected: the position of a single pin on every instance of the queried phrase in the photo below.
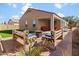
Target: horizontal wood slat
(58, 34)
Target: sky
(16, 10)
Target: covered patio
(48, 24)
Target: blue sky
(8, 11)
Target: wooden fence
(8, 27)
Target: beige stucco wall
(0, 49)
(34, 14)
(10, 45)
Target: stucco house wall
(31, 14)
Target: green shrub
(34, 51)
(21, 52)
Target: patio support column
(52, 29)
(62, 25)
(52, 23)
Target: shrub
(34, 51)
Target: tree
(72, 20)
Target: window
(26, 26)
(34, 23)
